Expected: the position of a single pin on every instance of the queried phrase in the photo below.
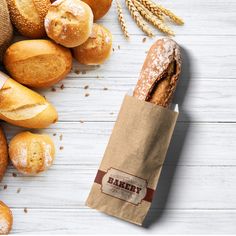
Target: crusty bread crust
(6, 30)
(3, 154)
(69, 22)
(96, 49)
(160, 73)
(6, 219)
(28, 16)
(38, 63)
(23, 107)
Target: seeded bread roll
(160, 73)
(6, 219)
(99, 7)
(5, 28)
(31, 153)
(38, 63)
(96, 49)
(3, 154)
(69, 22)
(28, 16)
(23, 107)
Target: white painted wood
(197, 187)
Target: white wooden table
(197, 190)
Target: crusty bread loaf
(96, 49)
(69, 22)
(6, 219)
(37, 63)
(160, 73)
(5, 28)
(23, 107)
(99, 7)
(28, 16)
(3, 154)
(31, 153)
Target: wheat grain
(153, 8)
(146, 14)
(121, 19)
(138, 18)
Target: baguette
(6, 30)
(23, 107)
(28, 16)
(160, 73)
(3, 154)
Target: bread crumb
(18, 190)
(98, 77)
(14, 174)
(84, 72)
(144, 39)
(105, 88)
(62, 86)
(86, 87)
(111, 113)
(77, 72)
(25, 210)
(61, 148)
(81, 121)
(61, 137)
(86, 94)
(119, 47)
(5, 186)
(53, 89)
(113, 49)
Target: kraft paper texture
(132, 163)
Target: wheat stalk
(121, 19)
(158, 9)
(138, 18)
(146, 14)
(152, 7)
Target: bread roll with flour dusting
(6, 219)
(160, 73)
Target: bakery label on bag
(124, 186)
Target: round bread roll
(99, 7)
(6, 30)
(28, 16)
(38, 63)
(3, 154)
(96, 49)
(69, 22)
(31, 153)
(6, 219)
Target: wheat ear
(146, 14)
(121, 19)
(138, 18)
(152, 7)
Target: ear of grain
(138, 18)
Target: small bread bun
(99, 7)
(6, 30)
(69, 22)
(96, 49)
(3, 155)
(38, 63)
(6, 219)
(28, 16)
(31, 153)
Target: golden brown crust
(69, 22)
(23, 107)
(3, 154)
(96, 49)
(160, 73)
(99, 7)
(6, 219)
(37, 63)
(28, 16)
(6, 30)
(31, 153)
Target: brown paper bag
(131, 166)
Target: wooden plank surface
(196, 193)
